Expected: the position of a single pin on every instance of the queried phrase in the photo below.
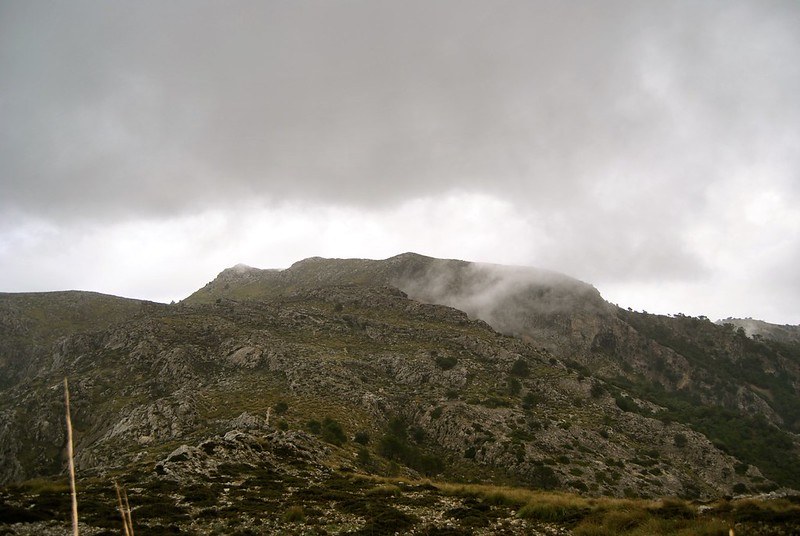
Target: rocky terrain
(268, 389)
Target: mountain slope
(748, 388)
(565, 391)
(32, 322)
(436, 392)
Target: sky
(649, 148)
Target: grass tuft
(555, 509)
(294, 514)
(384, 490)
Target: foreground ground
(261, 501)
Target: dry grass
(71, 459)
(608, 516)
(294, 514)
(124, 510)
(384, 490)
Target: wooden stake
(71, 464)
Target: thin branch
(128, 510)
(70, 457)
(122, 510)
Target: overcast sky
(650, 148)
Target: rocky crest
(414, 365)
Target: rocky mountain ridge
(437, 367)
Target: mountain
(758, 329)
(740, 392)
(410, 366)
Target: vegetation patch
(563, 510)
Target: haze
(650, 148)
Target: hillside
(747, 388)
(413, 367)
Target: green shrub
(520, 368)
(363, 457)
(332, 432)
(395, 446)
(529, 400)
(626, 404)
(446, 362)
(314, 426)
(597, 390)
(397, 427)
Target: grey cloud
(612, 122)
(147, 106)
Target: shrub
(332, 432)
(529, 400)
(520, 368)
(392, 447)
(395, 446)
(363, 457)
(446, 362)
(294, 514)
(397, 427)
(625, 404)
(361, 437)
(314, 426)
(680, 440)
(740, 468)
(281, 407)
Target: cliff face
(413, 364)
